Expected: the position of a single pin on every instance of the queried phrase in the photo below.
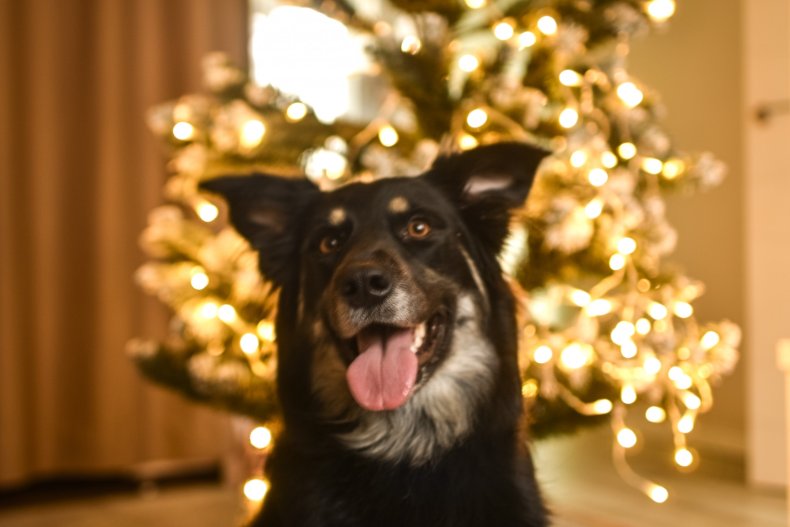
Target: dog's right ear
(265, 209)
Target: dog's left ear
(486, 184)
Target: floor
(577, 476)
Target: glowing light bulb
(261, 437)
(206, 211)
(547, 25)
(617, 262)
(477, 118)
(475, 4)
(296, 111)
(673, 168)
(265, 330)
(542, 354)
(255, 489)
(574, 356)
(504, 30)
(598, 307)
(626, 246)
(686, 424)
(527, 39)
(580, 298)
(655, 414)
(608, 159)
(651, 165)
(627, 150)
(598, 177)
(569, 117)
(661, 10)
(623, 331)
(468, 63)
(602, 406)
(683, 309)
(626, 438)
(183, 131)
(628, 394)
(692, 401)
(467, 142)
(684, 457)
(593, 209)
(252, 132)
(411, 44)
(630, 94)
(388, 136)
(209, 310)
(652, 365)
(709, 340)
(570, 78)
(629, 349)
(578, 158)
(657, 311)
(226, 313)
(643, 326)
(249, 343)
(658, 494)
(199, 280)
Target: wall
(695, 67)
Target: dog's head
(392, 308)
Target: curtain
(78, 173)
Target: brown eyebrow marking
(337, 216)
(398, 205)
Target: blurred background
(79, 172)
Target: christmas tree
(609, 330)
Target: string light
(627, 151)
(570, 78)
(673, 168)
(657, 311)
(617, 262)
(206, 211)
(629, 349)
(652, 365)
(628, 394)
(598, 177)
(183, 131)
(682, 309)
(658, 494)
(249, 343)
(580, 298)
(598, 307)
(653, 166)
(574, 356)
(608, 159)
(252, 132)
(623, 331)
(626, 438)
(661, 10)
(578, 158)
(691, 401)
(655, 414)
(467, 142)
(265, 330)
(684, 457)
(208, 310)
(630, 94)
(468, 63)
(504, 30)
(477, 118)
(261, 437)
(226, 313)
(569, 117)
(411, 44)
(626, 245)
(542, 354)
(643, 326)
(475, 4)
(388, 136)
(547, 25)
(296, 111)
(255, 489)
(594, 208)
(199, 280)
(527, 39)
(686, 424)
(602, 406)
(709, 340)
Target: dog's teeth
(419, 337)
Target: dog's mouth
(390, 362)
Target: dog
(396, 332)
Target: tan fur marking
(337, 217)
(398, 205)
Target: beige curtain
(78, 173)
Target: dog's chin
(387, 362)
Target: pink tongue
(383, 375)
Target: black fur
(481, 473)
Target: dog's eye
(418, 228)
(330, 244)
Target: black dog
(397, 367)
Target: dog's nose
(365, 286)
